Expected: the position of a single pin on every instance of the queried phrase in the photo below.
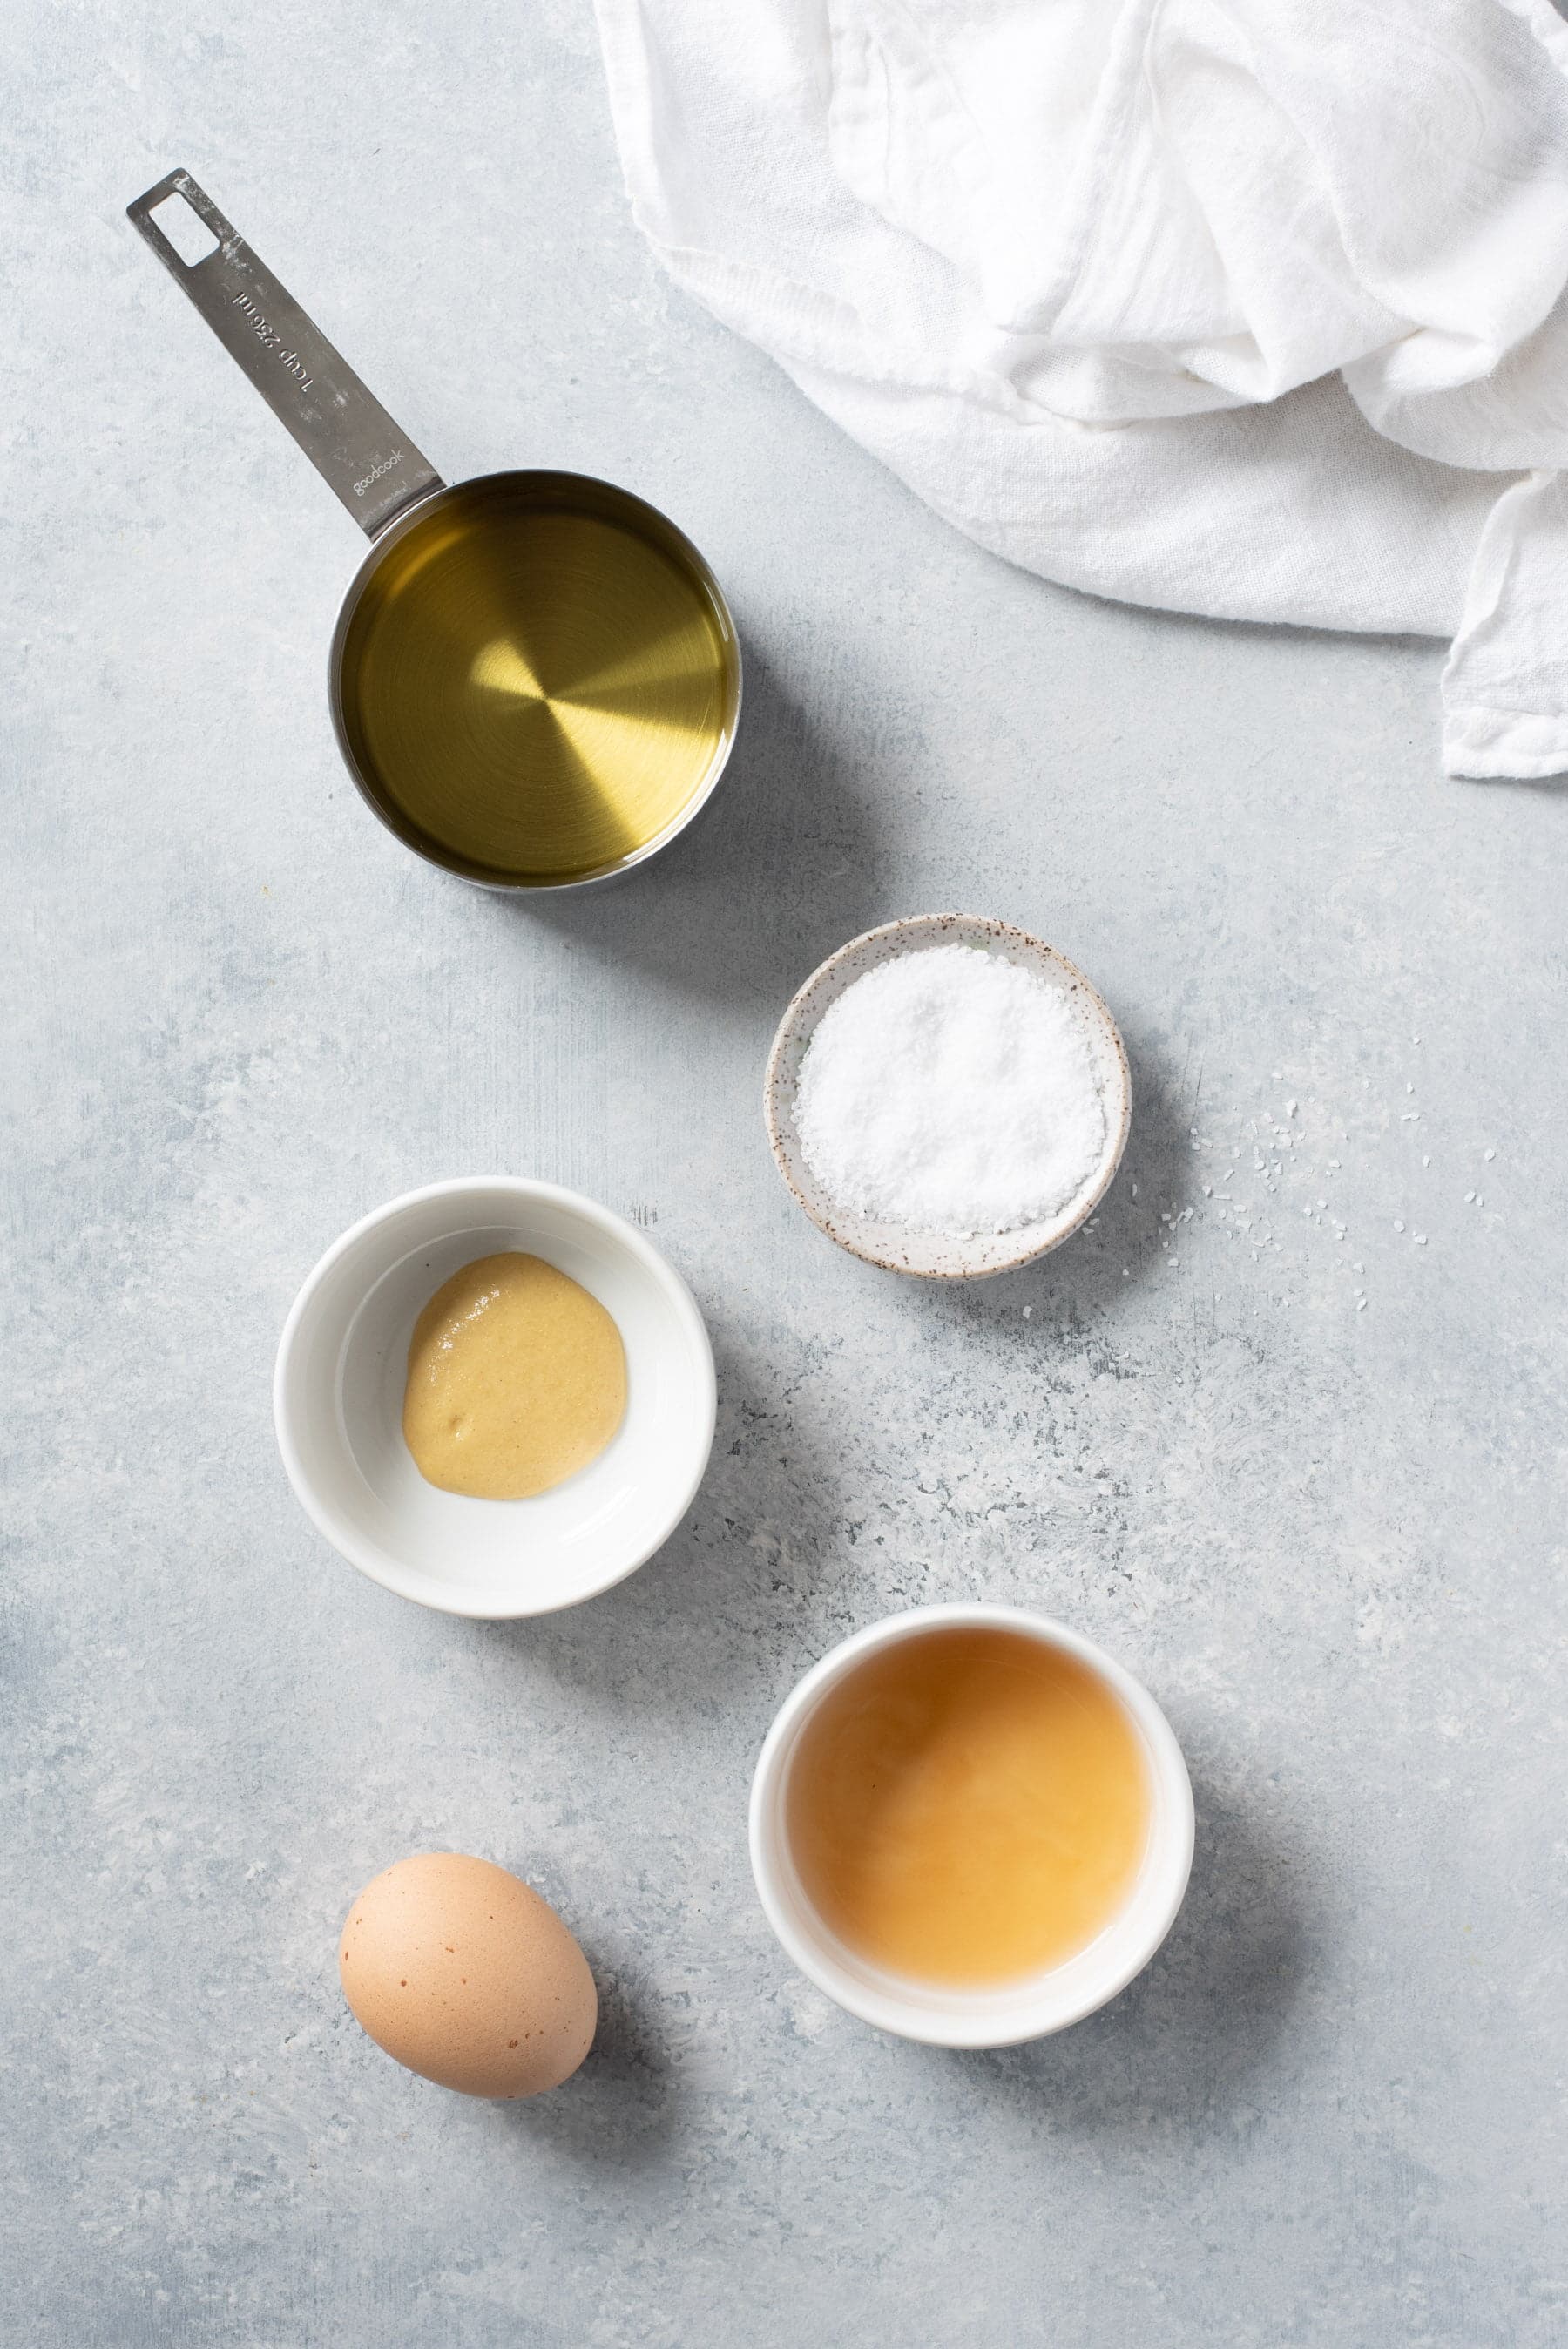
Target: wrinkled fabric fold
(1223, 306)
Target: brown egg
(464, 1974)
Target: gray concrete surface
(1331, 1539)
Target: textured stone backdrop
(1331, 1538)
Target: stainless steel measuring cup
(534, 677)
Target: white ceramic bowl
(935, 1256)
(1037, 2005)
(338, 1400)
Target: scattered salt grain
(951, 1091)
(1489, 1153)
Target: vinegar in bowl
(968, 1806)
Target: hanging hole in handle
(182, 227)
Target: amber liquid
(538, 680)
(968, 1806)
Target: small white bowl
(898, 1247)
(338, 1401)
(1037, 2005)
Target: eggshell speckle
(464, 1974)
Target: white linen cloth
(1248, 307)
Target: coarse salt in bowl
(959, 1121)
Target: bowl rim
(367, 1556)
(883, 937)
(994, 2020)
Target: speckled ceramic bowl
(935, 1256)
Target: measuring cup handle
(347, 435)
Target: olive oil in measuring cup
(536, 681)
(534, 677)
